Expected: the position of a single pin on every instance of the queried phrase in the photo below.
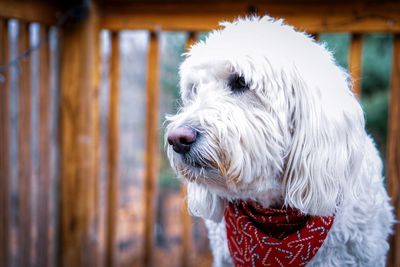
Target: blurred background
(176, 239)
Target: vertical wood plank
(78, 128)
(151, 167)
(24, 149)
(186, 219)
(95, 80)
(113, 150)
(393, 157)
(4, 144)
(355, 62)
(43, 202)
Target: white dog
(269, 118)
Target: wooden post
(355, 62)
(186, 219)
(393, 157)
(4, 145)
(113, 150)
(24, 149)
(43, 202)
(78, 139)
(151, 166)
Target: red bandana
(260, 236)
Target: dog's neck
(274, 197)
(271, 199)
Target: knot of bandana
(260, 236)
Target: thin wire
(76, 12)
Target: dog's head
(266, 114)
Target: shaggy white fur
(277, 122)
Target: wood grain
(43, 202)
(95, 74)
(113, 150)
(355, 62)
(78, 128)
(151, 161)
(24, 149)
(310, 16)
(4, 145)
(393, 156)
(30, 11)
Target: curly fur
(296, 137)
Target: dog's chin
(195, 163)
(200, 171)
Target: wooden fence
(70, 236)
(26, 224)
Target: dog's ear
(324, 158)
(203, 203)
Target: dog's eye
(238, 84)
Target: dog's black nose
(181, 139)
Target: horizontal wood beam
(313, 17)
(30, 11)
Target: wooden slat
(355, 62)
(186, 219)
(202, 16)
(175, 17)
(393, 157)
(113, 150)
(43, 202)
(4, 145)
(95, 80)
(24, 150)
(32, 11)
(78, 138)
(151, 166)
